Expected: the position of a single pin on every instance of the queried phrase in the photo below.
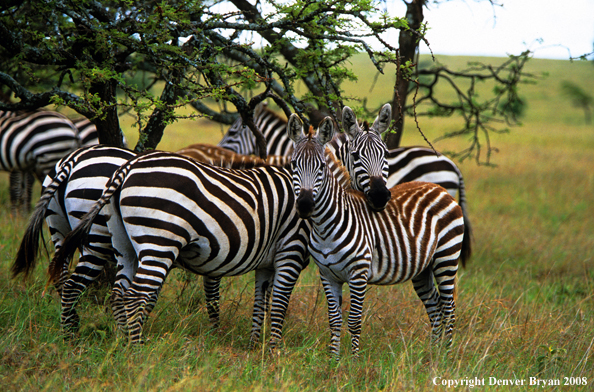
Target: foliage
(81, 53)
(579, 97)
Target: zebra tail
(79, 235)
(466, 252)
(26, 256)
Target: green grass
(525, 303)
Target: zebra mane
(221, 157)
(340, 173)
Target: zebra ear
(295, 128)
(326, 130)
(383, 119)
(349, 122)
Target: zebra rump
(168, 210)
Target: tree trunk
(408, 45)
(108, 125)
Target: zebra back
(222, 157)
(240, 139)
(35, 141)
(87, 131)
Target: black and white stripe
(70, 190)
(404, 164)
(240, 139)
(30, 145)
(418, 237)
(171, 211)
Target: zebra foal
(418, 237)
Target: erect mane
(340, 173)
(221, 157)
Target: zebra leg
(445, 276)
(284, 282)
(86, 272)
(428, 294)
(211, 292)
(263, 283)
(125, 273)
(142, 296)
(357, 287)
(333, 291)
(28, 181)
(16, 191)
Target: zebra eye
(355, 154)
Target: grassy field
(525, 309)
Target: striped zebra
(241, 140)
(417, 237)
(70, 190)
(30, 145)
(88, 134)
(87, 131)
(170, 210)
(405, 164)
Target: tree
(87, 55)
(579, 98)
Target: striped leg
(211, 292)
(333, 291)
(445, 276)
(284, 282)
(357, 286)
(86, 272)
(262, 295)
(428, 294)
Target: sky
(551, 29)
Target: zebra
(219, 156)
(239, 138)
(70, 190)
(417, 237)
(88, 134)
(170, 210)
(404, 163)
(87, 131)
(30, 144)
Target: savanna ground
(525, 304)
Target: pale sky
(470, 27)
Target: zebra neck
(332, 208)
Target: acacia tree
(88, 55)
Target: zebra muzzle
(378, 195)
(305, 203)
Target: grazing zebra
(418, 236)
(404, 164)
(87, 131)
(70, 190)
(241, 140)
(170, 210)
(30, 145)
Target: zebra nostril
(305, 203)
(378, 195)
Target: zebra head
(308, 162)
(366, 159)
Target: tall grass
(525, 303)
